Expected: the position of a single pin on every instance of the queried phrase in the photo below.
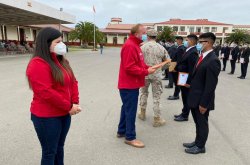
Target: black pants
(177, 88)
(184, 95)
(166, 73)
(233, 63)
(244, 69)
(52, 133)
(224, 64)
(202, 129)
(170, 78)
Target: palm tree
(84, 31)
(166, 34)
(239, 36)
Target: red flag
(94, 9)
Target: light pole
(61, 9)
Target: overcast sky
(145, 11)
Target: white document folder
(182, 78)
(242, 60)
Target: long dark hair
(42, 50)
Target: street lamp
(61, 9)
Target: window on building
(182, 28)
(191, 29)
(206, 29)
(224, 29)
(159, 28)
(198, 29)
(125, 39)
(175, 28)
(214, 29)
(114, 40)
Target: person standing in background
(186, 65)
(234, 55)
(171, 51)
(244, 61)
(176, 58)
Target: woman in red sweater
(55, 94)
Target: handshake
(75, 109)
(152, 69)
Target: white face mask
(60, 48)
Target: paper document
(161, 64)
(242, 60)
(222, 55)
(230, 57)
(182, 78)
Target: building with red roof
(117, 33)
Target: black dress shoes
(242, 78)
(175, 116)
(189, 145)
(195, 150)
(230, 73)
(173, 98)
(181, 118)
(239, 77)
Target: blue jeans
(52, 133)
(126, 126)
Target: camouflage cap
(152, 33)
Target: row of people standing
(234, 53)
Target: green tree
(84, 31)
(239, 36)
(166, 34)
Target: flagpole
(94, 31)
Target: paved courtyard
(92, 140)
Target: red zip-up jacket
(51, 99)
(132, 66)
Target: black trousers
(166, 73)
(177, 88)
(233, 63)
(184, 95)
(244, 69)
(202, 129)
(170, 78)
(224, 64)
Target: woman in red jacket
(55, 94)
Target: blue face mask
(185, 43)
(144, 37)
(199, 47)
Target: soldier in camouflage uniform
(154, 53)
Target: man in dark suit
(235, 52)
(187, 64)
(217, 49)
(176, 58)
(225, 51)
(202, 92)
(244, 64)
(171, 51)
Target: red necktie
(199, 61)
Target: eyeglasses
(202, 41)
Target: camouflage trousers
(157, 90)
